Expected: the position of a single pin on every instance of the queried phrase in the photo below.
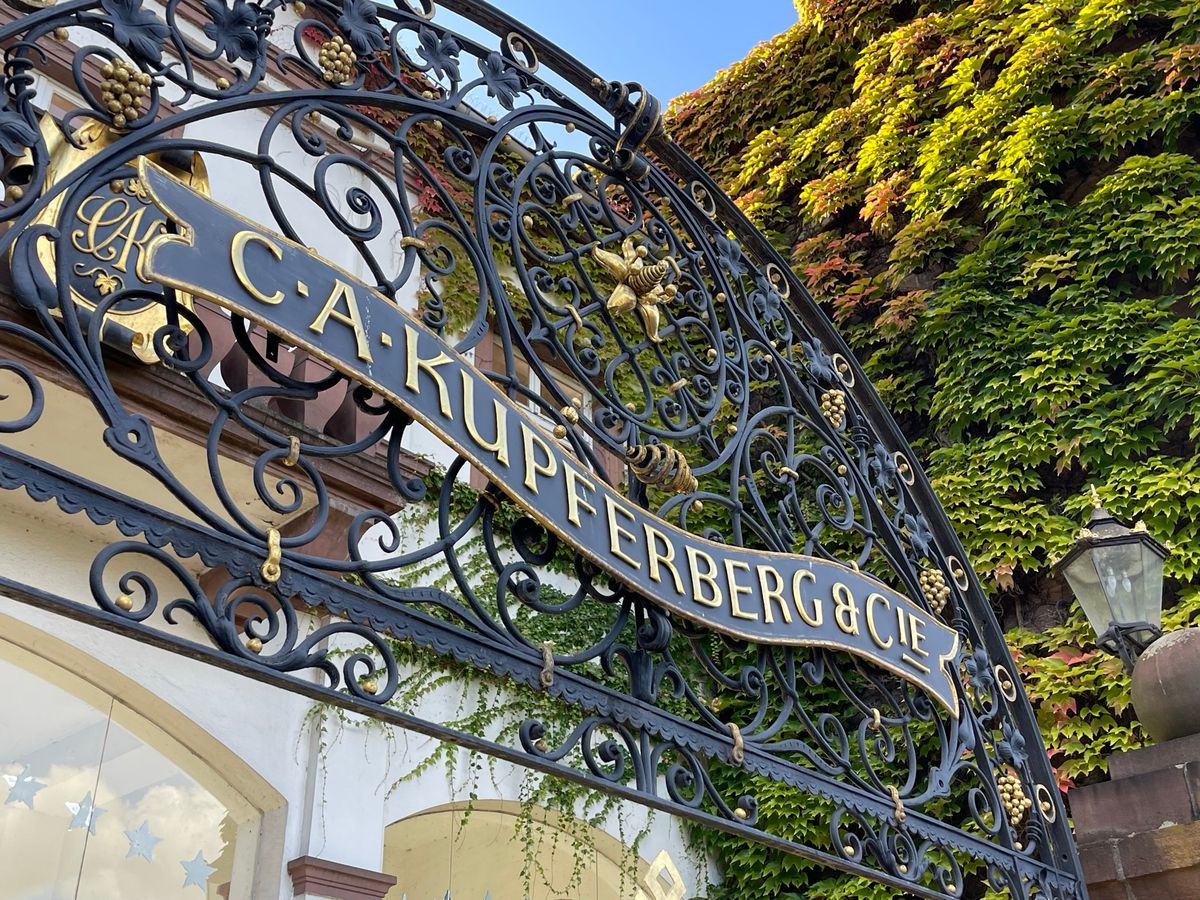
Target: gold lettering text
(575, 500)
(871, 629)
(417, 365)
(715, 598)
(237, 255)
(914, 630)
(500, 445)
(116, 245)
(616, 533)
(533, 468)
(818, 610)
(665, 557)
(343, 292)
(736, 590)
(772, 593)
(845, 609)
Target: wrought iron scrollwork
(608, 287)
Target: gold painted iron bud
(370, 686)
(254, 645)
(125, 602)
(661, 466)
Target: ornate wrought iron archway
(617, 301)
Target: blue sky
(670, 46)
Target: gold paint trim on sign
(185, 237)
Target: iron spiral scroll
(553, 232)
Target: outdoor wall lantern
(1116, 573)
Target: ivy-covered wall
(999, 204)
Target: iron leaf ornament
(235, 30)
(136, 29)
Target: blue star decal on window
(197, 871)
(84, 814)
(141, 842)
(22, 788)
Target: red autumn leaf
(1062, 710)
(1073, 655)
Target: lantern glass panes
(1116, 573)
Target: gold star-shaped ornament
(639, 284)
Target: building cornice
(322, 878)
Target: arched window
(97, 802)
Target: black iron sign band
(766, 597)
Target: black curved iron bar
(45, 482)
(121, 625)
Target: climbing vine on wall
(997, 203)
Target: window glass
(88, 811)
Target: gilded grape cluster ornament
(935, 589)
(122, 90)
(337, 60)
(1012, 796)
(833, 407)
